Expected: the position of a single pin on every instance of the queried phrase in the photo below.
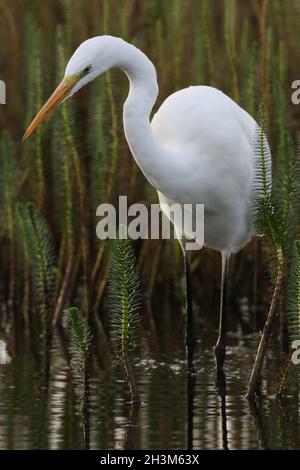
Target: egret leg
(221, 342)
(190, 340)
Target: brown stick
(284, 374)
(130, 372)
(258, 363)
(97, 262)
(64, 290)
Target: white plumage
(199, 149)
(214, 138)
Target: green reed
(8, 177)
(230, 45)
(64, 174)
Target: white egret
(198, 148)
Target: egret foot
(220, 355)
(190, 350)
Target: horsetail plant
(39, 242)
(266, 226)
(124, 305)
(275, 219)
(80, 343)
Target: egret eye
(87, 69)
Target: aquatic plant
(80, 339)
(124, 303)
(37, 241)
(275, 218)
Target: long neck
(149, 154)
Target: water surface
(174, 413)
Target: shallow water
(172, 415)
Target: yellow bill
(55, 99)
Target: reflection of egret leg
(190, 340)
(221, 387)
(221, 342)
(190, 393)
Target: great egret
(197, 149)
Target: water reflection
(221, 389)
(256, 413)
(190, 397)
(201, 411)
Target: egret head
(92, 58)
